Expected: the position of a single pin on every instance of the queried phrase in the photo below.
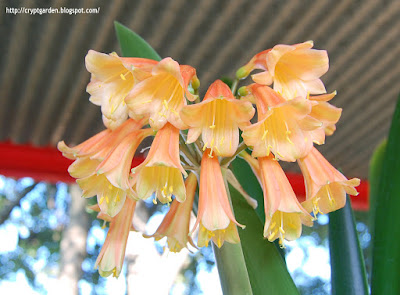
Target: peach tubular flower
(326, 113)
(295, 70)
(112, 253)
(161, 172)
(86, 148)
(102, 167)
(100, 145)
(326, 187)
(257, 62)
(218, 118)
(283, 212)
(283, 128)
(112, 79)
(175, 225)
(215, 217)
(162, 96)
(110, 180)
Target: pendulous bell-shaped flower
(284, 214)
(295, 70)
(175, 225)
(161, 96)
(102, 164)
(283, 128)
(112, 79)
(215, 217)
(326, 113)
(161, 172)
(218, 118)
(112, 253)
(326, 187)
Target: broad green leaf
(386, 239)
(347, 261)
(375, 171)
(132, 45)
(232, 269)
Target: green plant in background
(141, 96)
(385, 205)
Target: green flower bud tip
(243, 91)
(242, 73)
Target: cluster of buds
(195, 141)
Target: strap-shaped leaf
(386, 240)
(347, 261)
(375, 171)
(132, 45)
(232, 269)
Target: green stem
(234, 86)
(198, 149)
(184, 149)
(225, 162)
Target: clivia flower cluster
(195, 140)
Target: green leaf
(132, 45)
(375, 171)
(266, 269)
(232, 269)
(386, 239)
(347, 262)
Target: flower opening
(112, 79)
(162, 96)
(215, 217)
(175, 225)
(218, 118)
(283, 212)
(326, 187)
(283, 128)
(103, 162)
(161, 172)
